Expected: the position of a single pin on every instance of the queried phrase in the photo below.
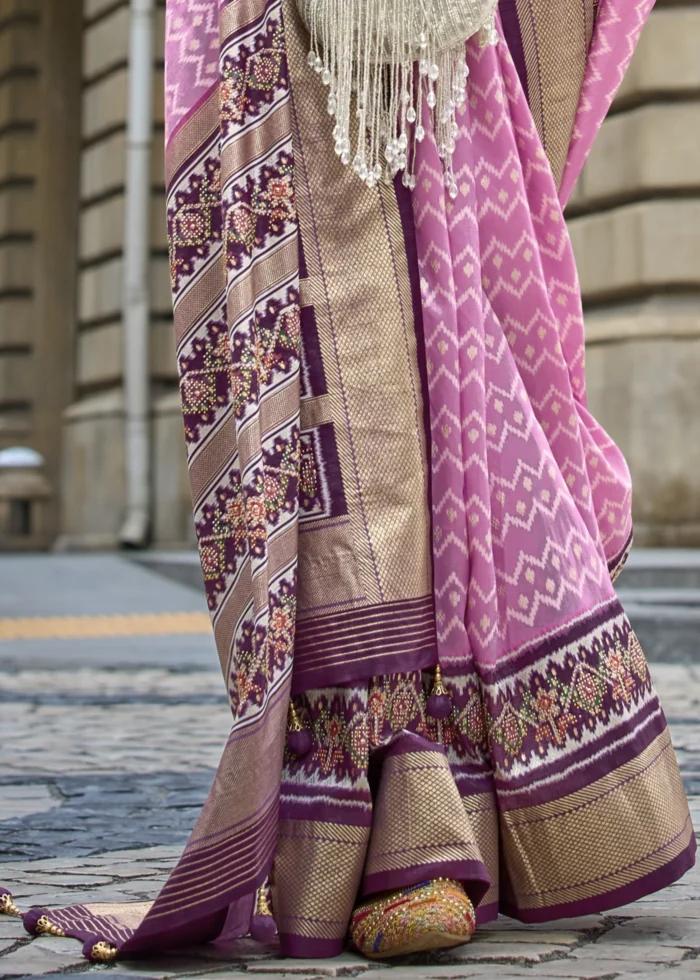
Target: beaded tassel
(439, 704)
(366, 51)
(37, 922)
(7, 905)
(99, 952)
(263, 928)
(298, 738)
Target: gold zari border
(555, 852)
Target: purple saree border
(510, 21)
(549, 643)
(309, 630)
(486, 913)
(520, 789)
(624, 895)
(211, 915)
(204, 929)
(188, 875)
(171, 914)
(340, 649)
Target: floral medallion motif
(539, 711)
(551, 706)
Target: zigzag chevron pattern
(191, 56)
(617, 31)
(532, 499)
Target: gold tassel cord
(294, 722)
(439, 688)
(262, 906)
(45, 927)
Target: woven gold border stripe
(81, 627)
(555, 852)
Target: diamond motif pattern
(531, 497)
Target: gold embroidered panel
(358, 291)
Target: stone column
(93, 457)
(39, 145)
(55, 248)
(19, 102)
(635, 224)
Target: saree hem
(632, 892)
(389, 638)
(305, 947)
(486, 913)
(472, 874)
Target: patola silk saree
(393, 468)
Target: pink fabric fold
(617, 30)
(531, 499)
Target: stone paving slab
(42, 739)
(674, 931)
(171, 651)
(88, 585)
(43, 955)
(111, 685)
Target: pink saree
(393, 467)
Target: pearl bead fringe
(385, 63)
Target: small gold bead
(262, 906)
(294, 722)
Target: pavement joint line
(79, 627)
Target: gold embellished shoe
(435, 914)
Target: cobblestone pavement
(108, 746)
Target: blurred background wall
(634, 219)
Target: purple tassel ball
(439, 706)
(263, 929)
(31, 918)
(299, 742)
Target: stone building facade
(634, 218)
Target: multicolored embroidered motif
(260, 652)
(269, 351)
(206, 380)
(251, 78)
(194, 221)
(223, 216)
(260, 207)
(550, 707)
(534, 714)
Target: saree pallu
(392, 466)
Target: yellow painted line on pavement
(87, 627)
